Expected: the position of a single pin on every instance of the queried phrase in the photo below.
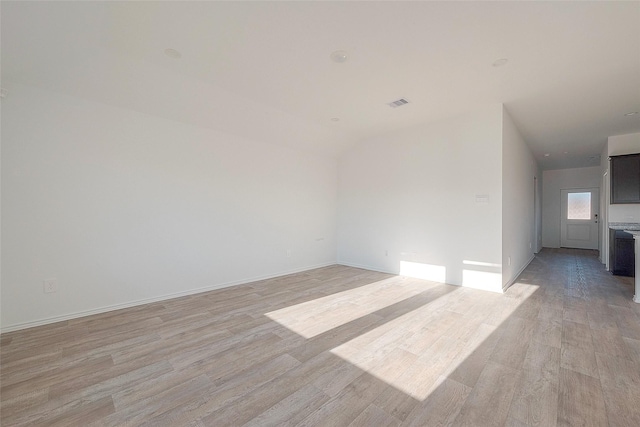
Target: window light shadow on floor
(560, 346)
(413, 337)
(314, 317)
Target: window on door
(579, 205)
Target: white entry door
(579, 226)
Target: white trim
(113, 307)
(395, 273)
(636, 247)
(604, 219)
(564, 238)
(367, 267)
(512, 281)
(504, 288)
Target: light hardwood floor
(340, 346)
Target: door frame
(594, 211)
(604, 220)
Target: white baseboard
(366, 267)
(512, 281)
(129, 304)
(84, 313)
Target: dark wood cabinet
(622, 260)
(625, 179)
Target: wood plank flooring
(341, 346)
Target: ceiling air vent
(399, 103)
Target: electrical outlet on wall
(50, 285)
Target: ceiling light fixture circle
(500, 62)
(172, 53)
(335, 119)
(632, 113)
(339, 56)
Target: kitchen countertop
(625, 226)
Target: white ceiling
(262, 69)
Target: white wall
(553, 181)
(121, 207)
(519, 171)
(1, 324)
(408, 199)
(618, 145)
(623, 144)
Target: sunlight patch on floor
(312, 318)
(411, 352)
